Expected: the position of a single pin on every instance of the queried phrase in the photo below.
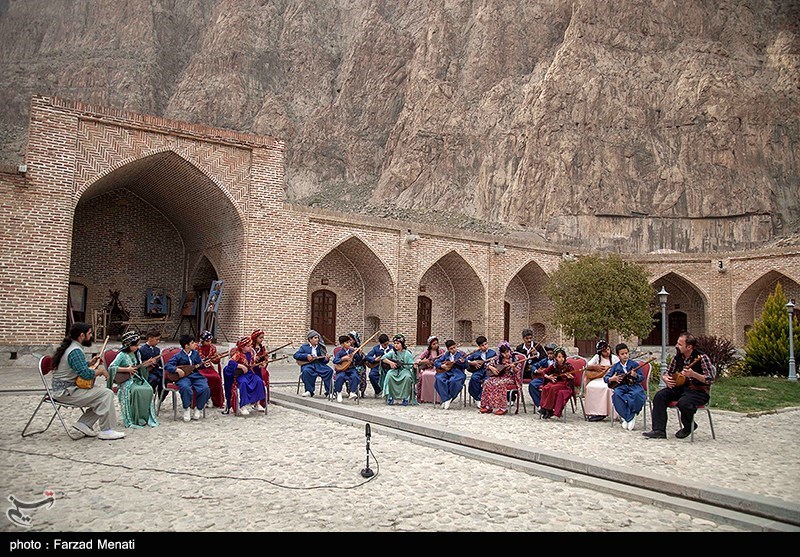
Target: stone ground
(284, 471)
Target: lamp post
(792, 371)
(662, 298)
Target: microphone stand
(367, 472)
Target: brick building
(114, 201)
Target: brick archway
(685, 297)
(751, 302)
(527, 301)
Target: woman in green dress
(401, 377)
(135, 395)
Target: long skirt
(399, 384)
(426, 381)
(215, 384)
(597, 398)
(555, 396)
(495, 389)
(136, 403)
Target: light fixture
(22, 168)
(411, 237)
(721, 266)
(499, 249)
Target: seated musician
(346, 361)
(537, 376)
(241, 366)
(149, 351)
(373, 361)
(313, 360)
(688, 377)
(529, 348)
(558, 384)
(628, 394)
(360, 367)
(477, 365)
(450, 373)
(191, 382)
(261, 358)
(426, 372)
(208, 353)
(597, 395)
(401, 376)
(135, 395)
(502, 374)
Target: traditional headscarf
(129, 339)
(601, 345)
(356, 339)
(502, 344)
(206, 335)
(254, 335)
(560, 350)
(431, 339)
(242, 342)
(401, 339)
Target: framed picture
(77, 297)
(157, 304)
(214, 296)
(188, 304)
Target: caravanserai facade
(108, 200)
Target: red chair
(578, 382)
(108, 357)
(171, 386)
(45, 367)
(674, 404)
(645, 369)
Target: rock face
(629, 126)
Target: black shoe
(655, 434)
(684, 433)
(596, 418)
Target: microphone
(367, 472)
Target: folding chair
(108, 357)
(706, 407)
(578, 381)
(45, 367)
(321, 381)
(171, 386)
(645, 369)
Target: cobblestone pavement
(292, 471)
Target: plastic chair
(45, 367)
(645, 369)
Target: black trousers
(688, 401)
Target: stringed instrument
(344, 362)
(503, 367)
(680, 380)
(82, 383)
(629, 377)
(447, 365)
(263, 357)
(186, 369)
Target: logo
(16, 513)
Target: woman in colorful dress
(426, 372)
(262, 357)
(502, 374)
(557, 388)
(135, 395)
(250, 385)
(208, 351)
(596, 394)
(401, 376)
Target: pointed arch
(528, 304)
(363, 285)
(458, 297)
(750, 303)
(685, 297)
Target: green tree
(767, 348)
(594, 294)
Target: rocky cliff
(634, 125)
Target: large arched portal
(147, 225)
(528, 306)
(686, 310)
(457, 299)
(362, 287)
(750, 303)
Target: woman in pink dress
(426, 373)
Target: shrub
(720, 351)
(768, 341)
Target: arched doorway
(677, 323)
(457, 298)
(527, 303)
(684, 298)
(362, 287)
(424, 308)
(144, 224)
(750, 302)
(323, 315)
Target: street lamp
(792, 372)
(662, 298)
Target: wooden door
(424, 306)
(506, 321)
(676, 324)
(323, 315)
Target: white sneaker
(209, 404)
(187, 414)
(85, 429)
(307, 394)
(624, 423)
(243, 411)
(197, 413)
(257, 408)
(110, 435)
(632, 423)
(446, 404)
(352, 396)
(339, 396)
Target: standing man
(69, 363)
(693, 369)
